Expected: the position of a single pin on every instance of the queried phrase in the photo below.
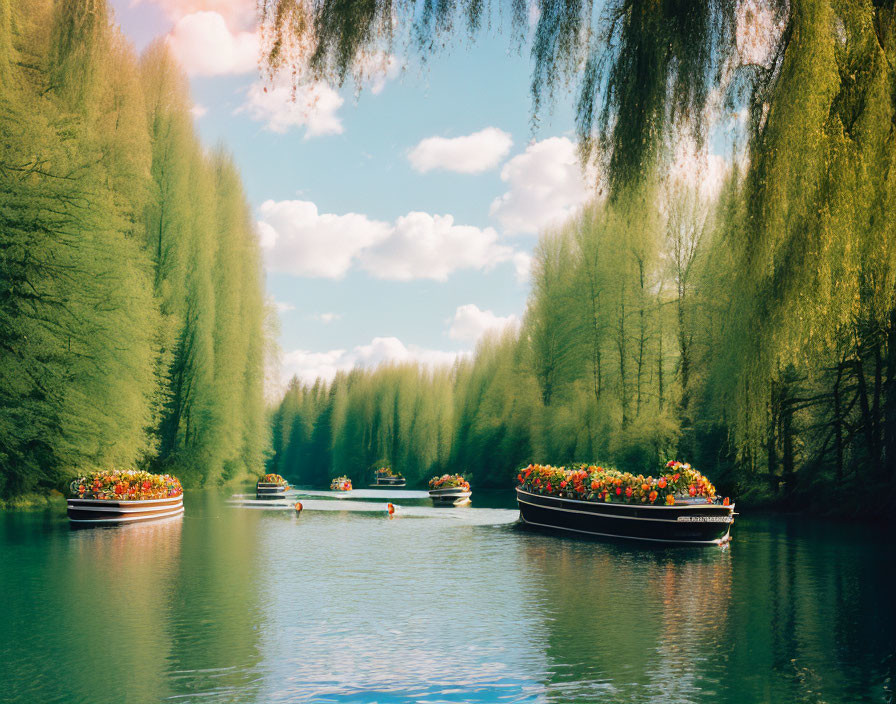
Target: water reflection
(344, 605)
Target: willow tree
(77, 318)
(639, 68)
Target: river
(342, 604)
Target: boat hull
(266, 490)
(389, 484)
(681, 524)
(455, 496)
(101, 511)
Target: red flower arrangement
(126, 485)
(449, 481)
(596, 483)
(272, 479)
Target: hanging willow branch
(638, 68)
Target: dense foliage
(131, 292)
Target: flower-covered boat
(385, 477)
(124, 496)
(341, 484)
(449, 490)
(677, 506)
(271, 486)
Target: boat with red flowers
(679, 506)
(449, 490)
(341, 484)
(123, 496)
(271, 486)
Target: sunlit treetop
(638, 69)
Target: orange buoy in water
(298, 506)
(391, 509)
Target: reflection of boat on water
(104, 511)
(386, 478)
(687, 522)
(453, 496)
(271, 486)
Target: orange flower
(645, 487)
(670, 499)
(652, 496)
(661, 483)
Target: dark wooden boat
(452, 496)
(380, 481)
(270, 490)
(104, 511)
(683, 523)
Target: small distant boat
(449, 490)
(387, 478)
(271, 486)
(124, 496)
(343, 484)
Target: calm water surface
(341, 604)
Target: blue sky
(379, 244)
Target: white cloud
(283, 104)
(470, 323)
(299, 240)
(313, 106)
(546, 186)
(427, 246)
(327, 318)
(205, 46)
(756, 33)
(309, 366)
(283, 306)
(698, 169)
(237, 13)
(377, 69)
(470, 154)
(522, 262)
(198, 110)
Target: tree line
(754, 335)
(132, 313)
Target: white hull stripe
(132, 509)
(596, 513)
(134, 502)
(123, 519)
(717, 541)
(676, 507)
